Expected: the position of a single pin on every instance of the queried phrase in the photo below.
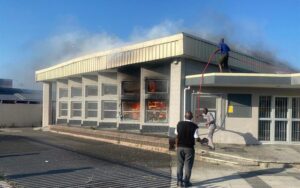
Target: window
(109, 89)
(130, 110)
(76, 109)
(157, 86)
(130, 87)
(76, 92)
(198, 104)
(91, 90)
(157, 111)
(240, 105)
(264, 125)
(63, 92)
(109, 109)
(63, 109)
(296, 119)
(91, 109)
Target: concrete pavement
(42, 159)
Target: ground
(41, 159)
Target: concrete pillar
(47, 104)
(176, 97)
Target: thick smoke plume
(246, 36)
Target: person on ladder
(224, 50)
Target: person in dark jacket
(186, 132)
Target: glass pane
(280, 130)
(131, 116)
(108, 89)
(281, 107)
(76, 105)
(264, 130)
(63, 112)
(91, 90)
(130, 106)
(76, 113)
(109, 114)
(91, 105)
(109, 105)
(63, 105)
(265, 107)
(296, 131)
(76, 92)
(296, 108)
(157, 105)
(63, 92)
(130, 87)
(157, 86)
(91, 114)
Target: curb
(243, 161)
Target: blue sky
(39, 33)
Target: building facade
(147, 87)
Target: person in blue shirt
(224, 50)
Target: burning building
(148, 86)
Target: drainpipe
(184, 100)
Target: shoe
(179, 184)
(187, 184)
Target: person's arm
(196, 135)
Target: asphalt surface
(43, 159)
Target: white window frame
(91, 110)
(63, 109)
(104, 110)
(72, 116)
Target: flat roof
(245, 80)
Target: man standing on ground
(186, 132)
(210, 124)
(224, 49)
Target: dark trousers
(185, 159)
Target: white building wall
(20, 115)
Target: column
(47, 104)
(176, 97)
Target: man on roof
(224, 50)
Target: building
(148, 86)
(19, 107)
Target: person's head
(205, 110)
(222, 40)
(188, 115)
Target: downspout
(184, 100)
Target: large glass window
(157, 111)
(109, 89)
(109, 109)
(76, 92)
(157, 86)
(76, 109)
(91, 91)
(63, 92)
(130, 111)
(91, 109)
(63, 109)
(296, 119)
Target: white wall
(20, 115)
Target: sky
(36, 34)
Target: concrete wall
(243, 130)
(20, 115)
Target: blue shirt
(224, 48)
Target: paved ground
(39, 159)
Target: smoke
(246, 36)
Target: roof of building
(179, 45)
(257, 80)
(15, 94)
